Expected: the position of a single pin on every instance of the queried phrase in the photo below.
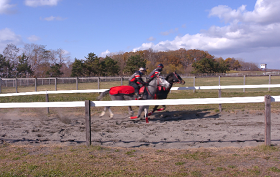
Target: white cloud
(151, 38)
(5, 7)
(165, 33)
(104, 54)
(33, 38)
(35, 3)
(52, 18)
(246, 31)
(8, 37)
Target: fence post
(194, 84)
(267, 100)
(244, 83)
(16, 85)
(220, 94)
(55, 83)
(35, 83)
(88, 122)
(269, 82)
(0, 85)
(47, 100)
(121, 80)
(98, 81)
(77, 81)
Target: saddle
(159, 88)
(124, 89)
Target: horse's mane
(169, 75)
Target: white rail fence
(15, 82)
(88, 104)
(173, 88)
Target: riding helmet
(142, 69)
(160, 66)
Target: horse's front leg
(141, 109)
(154, 109)
(146, 114)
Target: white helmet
(142, 69)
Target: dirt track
(176, 129)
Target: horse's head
(175, 78)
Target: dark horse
(162, 93)
(149, 93)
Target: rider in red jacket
(136, 80)
(155, 72)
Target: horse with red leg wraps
(149, 93)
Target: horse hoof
(161, 109)
(133, 117)
(102, 114)
(131, 113)
(150, 113)
(147, 120)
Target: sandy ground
(176, 129)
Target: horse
(149, 93)
(162, 93)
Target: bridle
(179, 80)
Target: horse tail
(103, 94)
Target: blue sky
(244, 29)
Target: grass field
(100, 161)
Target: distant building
(263, 66)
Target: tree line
(35, 60)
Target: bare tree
(63, 56)
(10, 53)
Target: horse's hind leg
(111, 115)
(161, 109)
(131, 112)
(103, 112)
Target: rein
(179, 80)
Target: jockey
(155, 72)
(136, 79)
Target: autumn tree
(223, 65)
(233, 64)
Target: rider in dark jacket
(136, 80)
(155, 72)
